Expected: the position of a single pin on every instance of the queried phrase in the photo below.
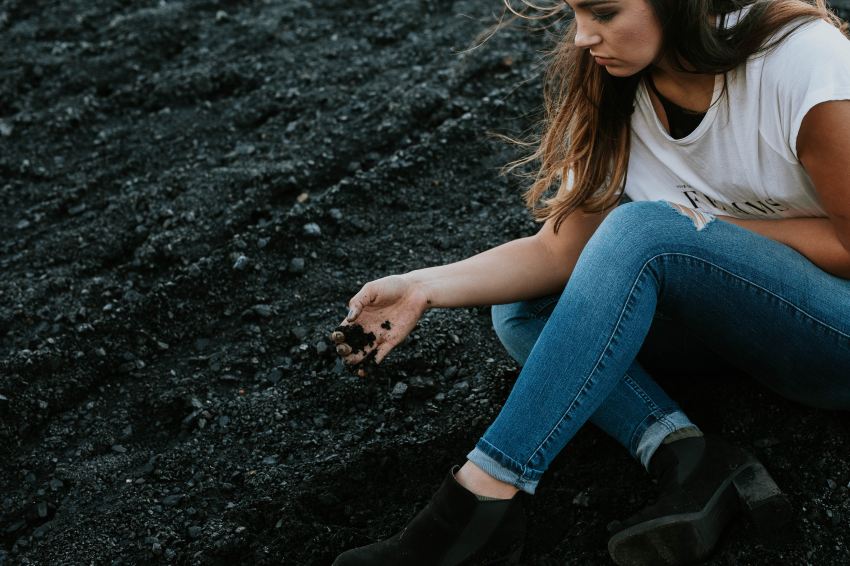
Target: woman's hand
(380, 316)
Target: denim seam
(656, 411)
(660, 416)
(523, 469)
(595, 366)
(635, 386)
(666, 422)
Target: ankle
(687, 432)
(483, 485)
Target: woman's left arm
(823, 147)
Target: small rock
(16, 526)
(56, 484)
(23, 224)
(461, 385)
(399, 390)
(172, 500)
(223, 421)
(422, 387)
(76, 210)
(312, 230)
(336, 214)
(264, 311)
(831, 483)
(190, 418)
(221, 16)
(6, 128)
(270, 460)
(450, 372)
(582, 500)
(296, 265)
(321, 347)
(241, 263)
(274, 376)
(118, 448)
(195, 531)
(262, 243)
(41, 508)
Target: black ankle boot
(703, 482)
(454, 528)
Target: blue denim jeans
(781, 318)
(637, 413)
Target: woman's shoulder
(810, 42)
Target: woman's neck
(688, 90)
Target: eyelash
(606, 17)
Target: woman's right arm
(518, 270)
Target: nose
(586, 35)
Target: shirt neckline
(704, 125)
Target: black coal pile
(191, 191)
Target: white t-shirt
(742, 159)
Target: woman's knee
(637, 231)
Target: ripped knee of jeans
(699, 218)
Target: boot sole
(689, 537)
(509, 560)
(676, 539)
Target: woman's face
(624, 36)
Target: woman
(717, 118)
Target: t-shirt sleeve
(810, 66)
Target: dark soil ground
(190, 193)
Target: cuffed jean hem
(655, 434)
(526, 482)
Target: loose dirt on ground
(190, 191)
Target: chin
(621, 71)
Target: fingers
(353, 359)
(380, 354)
(337, 337)
(343, 349)
(353, 312)
(367, 295)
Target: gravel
(165, 160)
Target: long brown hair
(584, 147)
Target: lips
(603, 60)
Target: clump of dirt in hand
(367, 365)
(387, 325)
(356, 337)
(359, 340)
